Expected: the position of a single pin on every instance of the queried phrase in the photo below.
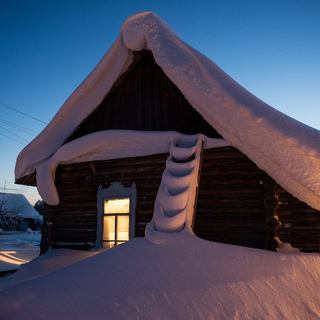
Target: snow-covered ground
(184, 277)
(17, 248)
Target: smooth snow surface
(184, 277)
(286, 149)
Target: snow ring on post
(164, 223)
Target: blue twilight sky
(47, 47)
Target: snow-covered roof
(17, 203)
(285, 148)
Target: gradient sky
(48, 47)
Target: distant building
(17, 214)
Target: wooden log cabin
(259, 181)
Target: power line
(12, 139)
(21, 128)
(15, 134)
(25, 114)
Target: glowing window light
(115, 222)
(123, 228)
(117, 206)
(109, 223)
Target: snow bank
(183, 278)
(286, 149)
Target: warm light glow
(117, 206)
(7, 256)
(116, 222)
(123, 228)
(109, 228)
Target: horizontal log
(224, 227)
(254, 198)
(311, 247)
(285, 198)
(143, 221)
(283, 211)
(94, 182)
(284, 228)
(285, 237)
(78, 211)
(229, 210)
(221, 154)
(230, 189)
(305, 235)
(74, 231)
(160, 158)
(81, 225)
(236, 207)
(224, 236)
(228, 170)
(315, 225)
(73, 238)
(206, 179)
(80, 246)
(207, 216)
(302, 216)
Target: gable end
(145, 99)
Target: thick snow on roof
(184, 277)
(17, 203)
(286, 149)
(102, 145)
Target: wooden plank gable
(144, 98)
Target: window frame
(115, 191)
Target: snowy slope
(184, 277)
(286, 149)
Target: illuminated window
(116, 215)
(116, 222)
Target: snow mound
(182, 278)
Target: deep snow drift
(184, 277)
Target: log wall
(300, 224)
(235, 202)
(230, 205)
(74, 221)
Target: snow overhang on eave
(106, 145)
